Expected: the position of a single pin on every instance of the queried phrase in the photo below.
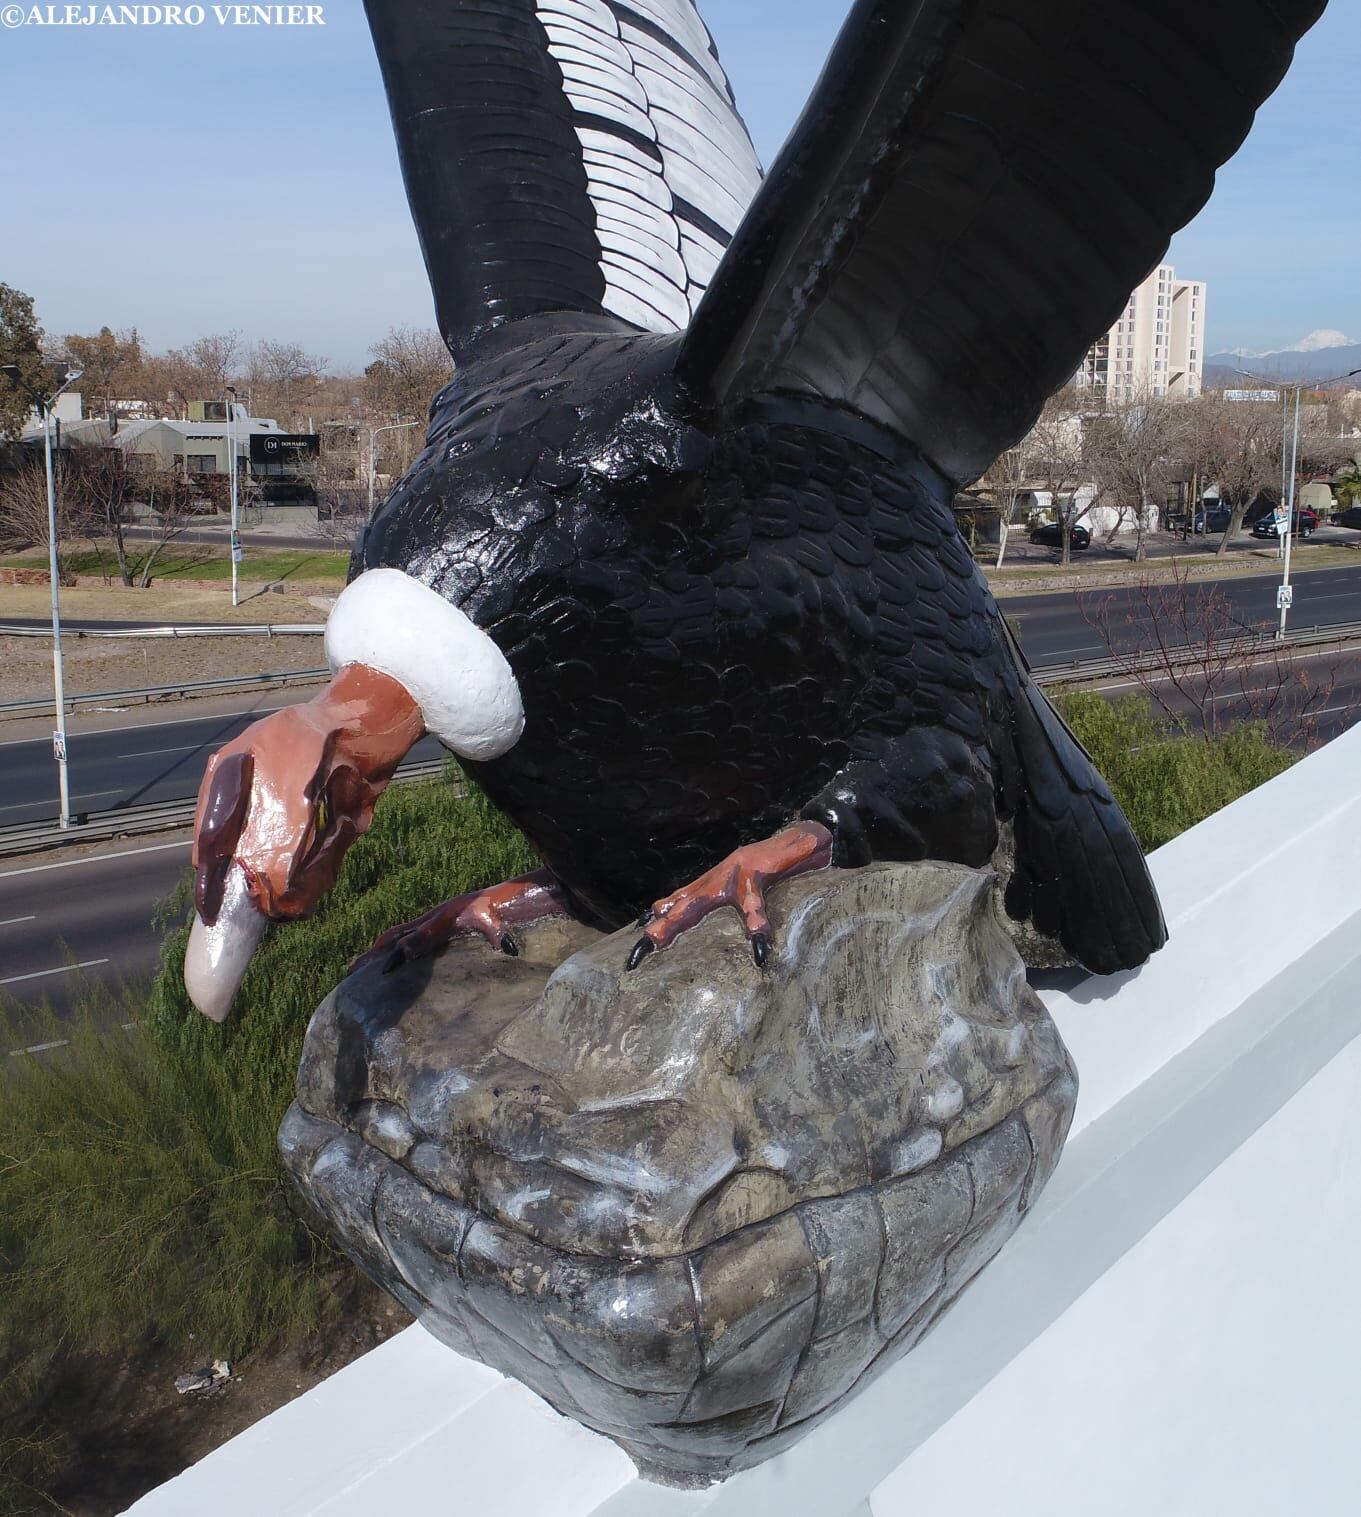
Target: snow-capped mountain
(1319, 356)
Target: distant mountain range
(1320, 356)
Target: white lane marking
(14, 921)
(93, 858)
(18, 1053)
(152, 752)
(89, 795)
(42, 974)
(174, 721)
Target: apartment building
(1157, 347)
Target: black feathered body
(721, 621)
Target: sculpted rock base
(696, 1206)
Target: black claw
(760, 950)
(647, 917)
(395, 959)
(641, 949)
(508, 946)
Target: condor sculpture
(676, 576)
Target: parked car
(1351, 517)
(1306, 523)
(1214, 519)
(1050, 535)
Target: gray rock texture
(695, 1206)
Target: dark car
(1306, 522)
(1051, 536)
(1351, 517)
(1214, 519)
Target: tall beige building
(1157, 346)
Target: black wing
(563, 155)
(970, 196)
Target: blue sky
(188, 180)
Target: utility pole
(1290, 458)
(1286, 596)
(396, 426)
(231, 468)
(44, 404)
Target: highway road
(139, 758)
(1060, 627)
(96, 911)
(65, 919)
(134, 758)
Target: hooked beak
(218, 956)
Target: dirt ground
(167, 602)
(92, 664)
(99, 663)
(130, 1430)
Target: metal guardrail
(148, 693)
(136, 821)
(1087, 670)
(129, 821)
(216, 629)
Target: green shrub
(1165, 780)
(143, 1195)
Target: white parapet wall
(1174, 1330)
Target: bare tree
(171, 498)
(1135, 451)
(112, 367)
(1186, 647)
(24, 518)
(1240, 449)
(410, 365)
(340, 482)
(1055, 457)
(281, 374)
(199, 371)
(101, 491)
(1003, 484)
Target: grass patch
(143, 1195)
(203, 563)
(1165, 780)
(1031, 578)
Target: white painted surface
(1173, 1330)
(1120, 1410)
(1246, 894)
(452, 670)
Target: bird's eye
(323, 814)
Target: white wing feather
(669, 165)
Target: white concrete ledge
(1085, 1370)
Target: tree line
(277, 379)
(1136, 459)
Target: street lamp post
(231, 469)
(396, 426)
(44, 404)
(1290, 458)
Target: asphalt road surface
(139, 760)
(96, 911)
(1068, 626)
(64, 920)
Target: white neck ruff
(454, 672)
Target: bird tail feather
(1080, 873)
